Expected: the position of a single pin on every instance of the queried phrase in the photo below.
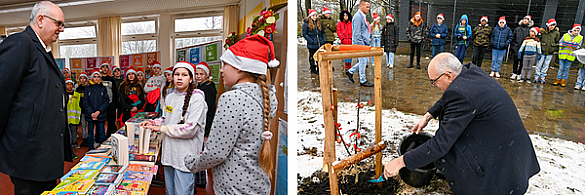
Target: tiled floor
(544, 108)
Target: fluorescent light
(29, 8)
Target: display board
(79, 65)
(60, 62)
(207, 52)
(140, 62)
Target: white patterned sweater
(233, 146)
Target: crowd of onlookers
(527, 44)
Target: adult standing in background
(439, 32)
(481, 40)
(361, 36)
(463, 34)
(415, 33)
(314, 33)
(344, 33)
(390, 39)
(549, 39)
(112, 88)
(501, 38)
(34, 135)
(329, 26)
(520, 32)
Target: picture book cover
(117, 169)
(138, 176)
(142, 157)
(108, 178)
(124, 192)
(59, 193)
(136, 121)
(146, 115)
(81, 185)
(89, 166)
(134, 186)
(101, 190)
(80, 174)
(95, 159)
(119, 149)
(134, 150)
(143, 168)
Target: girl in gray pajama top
(238, 131)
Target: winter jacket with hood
(481, 35)
(460, 31)
(549, 40)
(315, 38)
(520, 32)
(344, 28)
(439, 29)
(501, 37)
(96, 99)
(415, 34)
(329, 27)
(390, 37)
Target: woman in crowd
(376, 33)
(415, 33)
(390, 39)
(501, 38)
(131, 95)
(315, 36)
(344, 33)
(463, 33)
(140, 78)
(439, 32)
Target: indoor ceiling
(17, 12)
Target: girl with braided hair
(238, 147)
(182, 125)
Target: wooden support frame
(324, 56)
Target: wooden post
(359, 156)
(329, 156)
(335, 110)
(378, 102)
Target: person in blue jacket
(96, 102)
(501, 37)
(462, 33)
(314, 33)
(439, 32)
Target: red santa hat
(483, 18)
(441, 16)
(502, 19)
(576, 26)
(83, 74)
(528, 16)
(130, 70)
(204, 67)
(251, 54)
(376, 16)
(183, 64)
(66, 69)
(551, 22)
(389, 16)
(140, 71)
(105, 64)
(69, 80)
(155, 64)
(116, 67)
(95, 71)
(326, 10)
(169, 70)
(312, 12)
(536, 30)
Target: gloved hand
(519, 55)
(539, 56)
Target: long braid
(266, 157)
(186, 102)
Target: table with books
(121, 165)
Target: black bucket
(421, 176)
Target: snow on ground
(562, 162)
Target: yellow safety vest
(566, 53)
(73, 109)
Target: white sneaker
(518, 77)
(520, 80)
(528, 81)
(513, 76)
(583, 89)
(492, 74)
(577, 87)
(497, 74)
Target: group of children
(232, 140)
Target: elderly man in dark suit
(34, 137)
(481, 145)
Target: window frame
(197, 33)
(142, 37)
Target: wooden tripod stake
(325, 55)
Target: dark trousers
(312, 61)
(478, 53)
(29, 187)
(111, 114)
(517, 67)
(415, 46)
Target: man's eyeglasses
(435, 80)
(59, 23)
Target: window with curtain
(78, 33)
(78, 41)
(196, 29)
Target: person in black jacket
(314, 33)
(83, 82)
(131, 95)
(520, 32)
(481, 144)
(34, 134)
(390, 39)
(110, 83)
(96, 102)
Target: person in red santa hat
(314, 33)
(168, 73)
(481, 40)
(376, 33)
(204, 82)
(329, 25)
(549, 39)
(240, 126)
(131, 95)
(95, 102)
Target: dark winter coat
(390, 37)
(96, 99)
(481, 144)
(81, 90)
(315, 38)
(501, 37)
(482, 35)
(329, 26)
(460, 31)
(126, 102)
(520, 33)
(439, 29)
(549, 40)
(210, 92)
(344, 30)
(34, 132)
(415, 34)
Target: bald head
(446, 62)
(47, 20)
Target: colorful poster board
(208, 52)
(140, 62)
(79, 65)
(60, 62)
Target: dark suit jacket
(481, 145)
(34, 135)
